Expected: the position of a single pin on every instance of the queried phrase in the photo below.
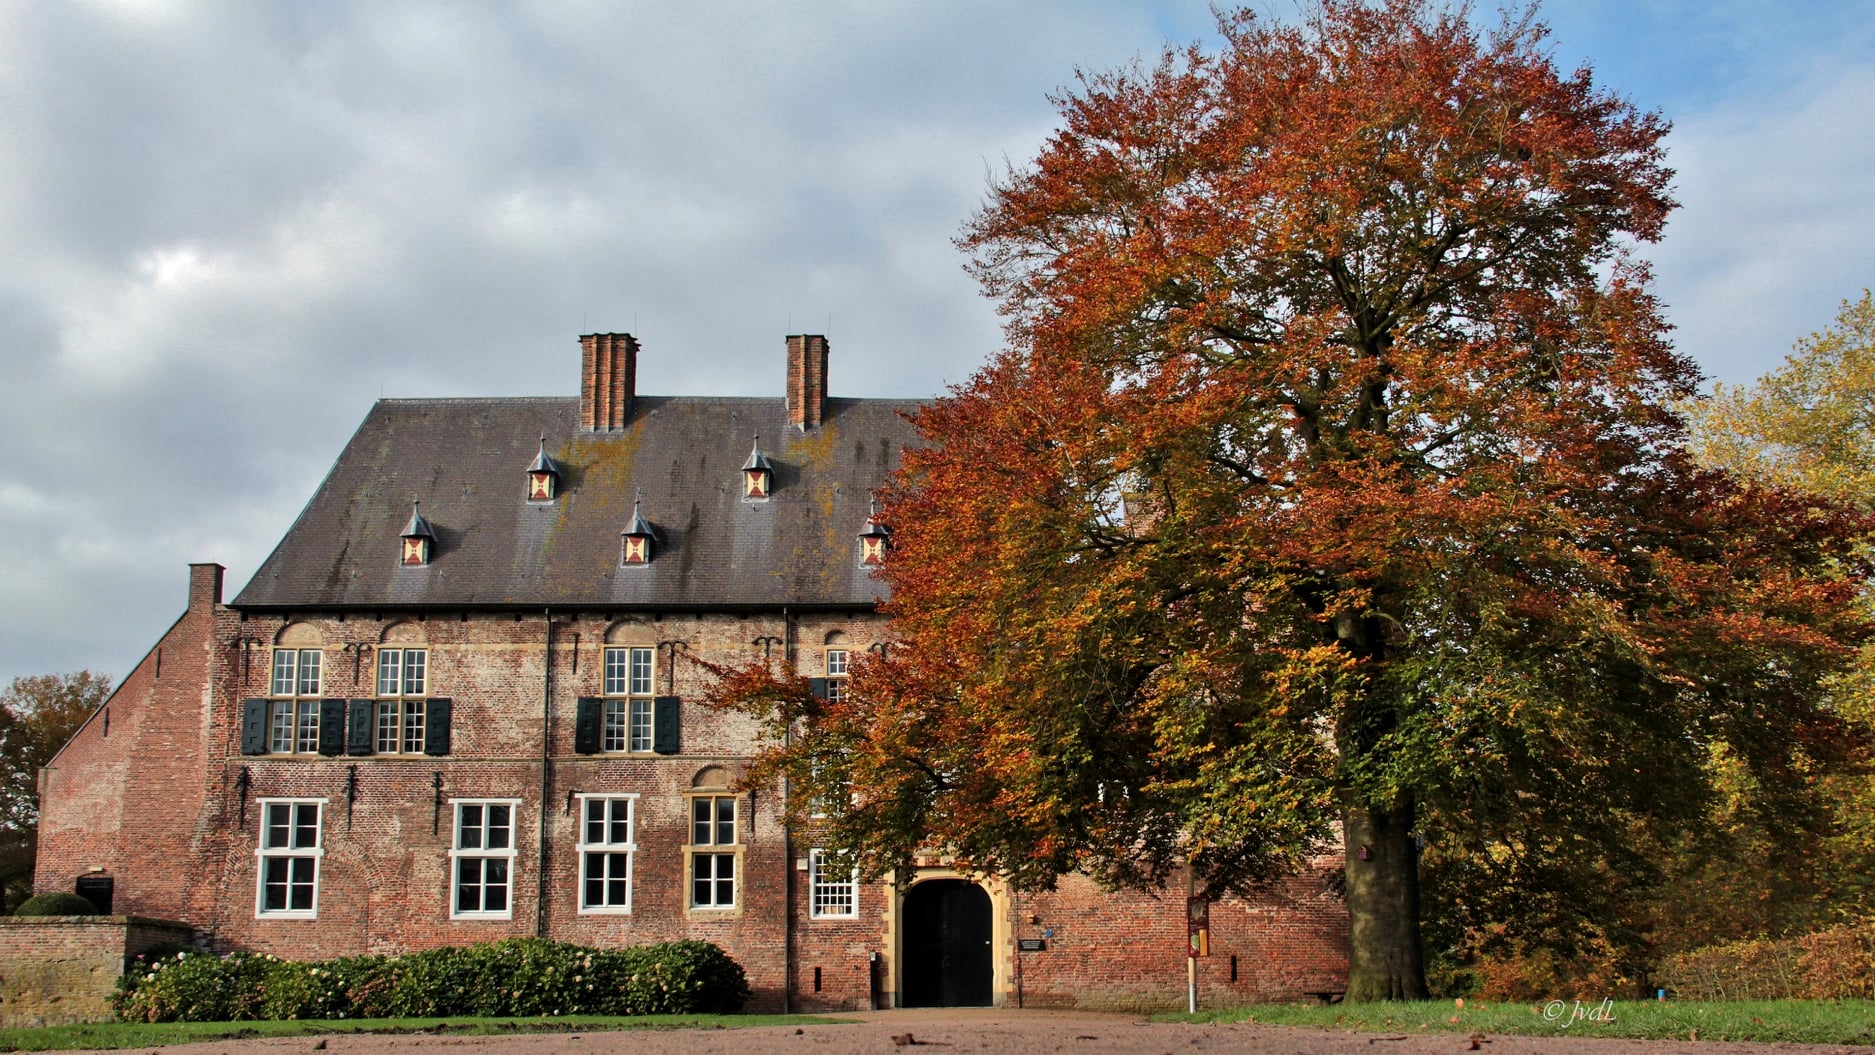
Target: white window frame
(405, 704)
(822, 890)
(817, 804)
(837, 672)
(607, 848)
(629, 674)
(295, 671)
(459, 853)
(299, 704)
(716, 850)
(265, 853)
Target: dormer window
(638, 539)
(758, 474)
(419, 539)
(874, 540)
(543, 477)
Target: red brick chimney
(608, 380)
(807, 381)
(204, 587)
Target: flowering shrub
(520, 976)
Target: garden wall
(57, 970)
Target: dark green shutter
(818, 686)
(664, 733)
(253, 727)
(358, 738)
(436, 727)
(588, 713)
(331, 727)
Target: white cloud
(226, 227)
(1775, 228)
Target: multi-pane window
(712, 854)
(403, 678)
(606, 844)
(836, 675)
(833, 891)
(483, 858)
(628, 700)
(289, 859)
(826, 782)
(293, 716)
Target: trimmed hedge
(56, 905)
(528, 977)
(1833, 964)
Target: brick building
(453, 706)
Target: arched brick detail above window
(405, 633)
(300, 635)
(630, 632)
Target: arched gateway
(946, 935)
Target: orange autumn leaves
(1330, 473)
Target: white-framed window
(607, 841)
(287, 880)
(713, 852)
(293, 714)
(821, 772)
(628, 680)
(482, 859)
(403, 681)
(832, 891)
(836, 674)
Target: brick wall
(1127, 952)
(57, 970)
(162, 800)
(134, 794)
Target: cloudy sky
(227, 228)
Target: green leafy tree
(1328, 489)
(37, 715)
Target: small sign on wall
(1198, 924)
(1031, 945)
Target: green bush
(190, 987)
(56, 905)
(521, 977)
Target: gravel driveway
(942, 1032)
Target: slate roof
(463, 459)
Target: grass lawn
(148, 1035)
(1806, 1021)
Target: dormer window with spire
(543, 477)
(874, 540)
(637, 539)
(758, 473)
(419, 539)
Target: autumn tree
(1809, 425)
(1329, 488)
(37, 716)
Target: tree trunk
(1384, 957)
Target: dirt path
(946, 1032)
